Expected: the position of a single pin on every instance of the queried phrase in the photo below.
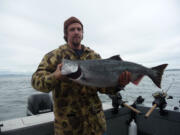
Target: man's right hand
(57, 74)
(124, 78)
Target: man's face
(74, 34)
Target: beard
(76, 41)
(76, 44)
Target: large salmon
(106, 72)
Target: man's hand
(57, 73)
(124, 78)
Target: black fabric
(78, 52)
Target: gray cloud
(147, 32)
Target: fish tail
(159, 72)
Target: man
(77, 108)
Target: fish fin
(138, 79)
(159, 70)
(116, 57)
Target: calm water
(14, 91)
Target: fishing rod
(169, 86)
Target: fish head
(68, 67)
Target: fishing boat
(122, 119)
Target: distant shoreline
(30, 74)
(172, 70)
(1, 75)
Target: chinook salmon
(106, 72)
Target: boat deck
(117, 124)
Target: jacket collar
(84, 48)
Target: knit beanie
(69, 21)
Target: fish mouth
(75, 75)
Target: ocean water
(14, 91)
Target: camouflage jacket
(77, 108)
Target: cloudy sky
(142, 31)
